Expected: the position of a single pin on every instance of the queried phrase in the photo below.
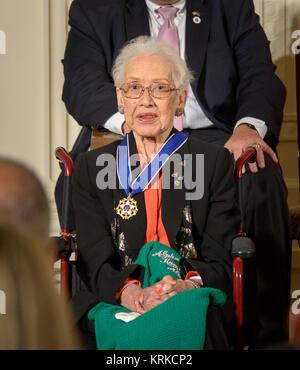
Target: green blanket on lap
(177, 324)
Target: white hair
(146, 45)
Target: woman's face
(148, 116)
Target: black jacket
(214, 221)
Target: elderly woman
(162, 187)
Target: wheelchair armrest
(243, 247)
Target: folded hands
(141, 300)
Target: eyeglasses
(135, 90)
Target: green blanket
(177, 324)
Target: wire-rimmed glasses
(134, 90)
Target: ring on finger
(256, 145)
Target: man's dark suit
(227, 52)
(104, 238)
(229, 55)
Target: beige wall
(33, 120)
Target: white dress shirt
(193, 117)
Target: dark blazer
(214, 221)
(227, 51)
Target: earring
(179, 112)
(121, 109)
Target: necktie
(168, 34)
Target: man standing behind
(236, 101)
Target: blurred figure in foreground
(33, 315)
(23, 202)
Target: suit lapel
(136, 19)
(137, 24)
(196, 40)
(173, 199)
(135, 227)
(196, 35)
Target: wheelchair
(243, 248)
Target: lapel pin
(196, 18)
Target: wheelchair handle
(64, 157)
(248, 156)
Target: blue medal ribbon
(141, 182)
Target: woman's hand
(151, 297)
(130, 298)
(171, 287)
(141, 300)
(163, 290)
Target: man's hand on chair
(244, 137)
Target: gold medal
(127, 207)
